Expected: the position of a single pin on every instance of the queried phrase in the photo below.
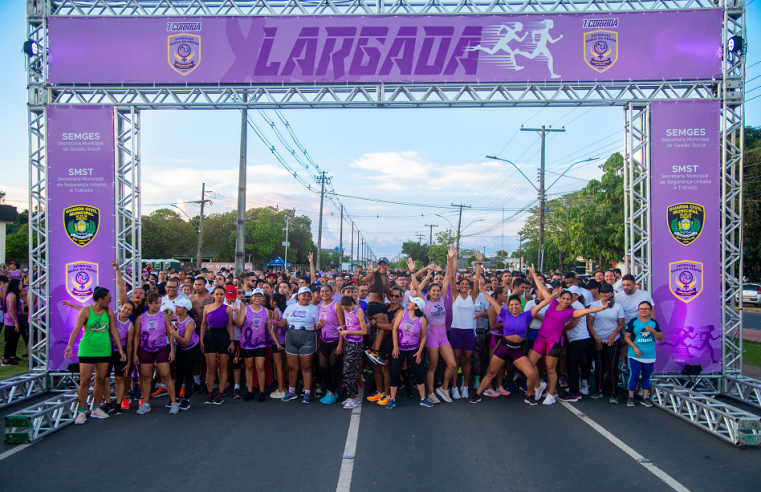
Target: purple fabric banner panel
(81, 212)
(402, 49)
(686, 225)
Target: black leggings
(184, 362)
(12, 338)
(606, 362)
(413, 367)
(573, 357)
(329, 367)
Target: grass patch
(9, 371)
(751, 353)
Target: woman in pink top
(350, 345)
(549, 341)
(410, 331)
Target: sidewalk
(751, 334)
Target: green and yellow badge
(686, 221)
(81, 223)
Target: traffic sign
(285, 243)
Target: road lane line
(347, 463)
(16, 449)
(667, 479)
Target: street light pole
(459, 223)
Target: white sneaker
(539, 391)
(98, 414)
(277, 394)
(455, 393)
(549, 400)
(81, 418)
(584, 390)
(432, 398)
(491, 392)
(464, 393)
(502, 391)
(444, 394)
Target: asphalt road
(499, 444)
(751, 319)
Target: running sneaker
(444, 394)
(569, 397)
(549, 400)
(476, 398)
(455, 393)
(584, 390)
(219, 399)
(502, 391)
(182, 392)
(81, 417)
(523, 387)
(144, 408)
(277, 395)
(289, 396)
(109, 407)
(613, 400)
(425, 402)
(563, 382)
(261, 399)
(236, 394)
(125, 404)
(328, 399)
(432, 398)
(175, 409)
(351, 404)
(119, 410)
(630, 402)
(209, 399)
(160, 391)
(318, 391)
(168, 405)
(196, 389)
(374, 356)
(530, 400)
(464, 393)
(492, 393)
(383, 401)
(307, 398)
(645, 402)
(249, 396)
(12, 362)
(375, 396)
(98, 413)
(510, 388)
(185, 404)
(596, 395)
(539, 391)
(391, 404)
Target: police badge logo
(81, 223)
(81, 279)
(685, 221)
(184, 52)
(601, 49)
(686, 279)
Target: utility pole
(520, 252)
(459, 223)
(420, 238)
(341, 241)
(240, 229)
(319, 227)
(351, 256)
(542, 198)
(199, 253)
(503, 229)
(430, 237)
(285, 261)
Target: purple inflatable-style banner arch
(625, 46)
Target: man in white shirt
(631, 297)
(606, 328)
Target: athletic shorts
(276, 350)
(160, 356)
(508, 351)
(385, 352)
(250, 353)
(374, 308)
(463, 339)
(300, 342)
(117, 365)
(94, 360)
(545, 346)
(217, 341)
(327, 348)
(493, 341)
(436, 337)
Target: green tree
(752, 204)
(416, 251)
(17, 245)
(437, 252)
(165, 235)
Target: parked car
(752, 293)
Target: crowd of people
(441, 333)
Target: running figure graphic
(541, 45)
(502, 44)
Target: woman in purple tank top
(253, 321)
(154, 344)
(410, 330)
(495, 327)
(188, 349)
(126, 330)
(350, 345)
(217, 340)
(333, 316)
(278, 327)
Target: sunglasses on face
(394, 295)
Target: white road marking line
(16, 449)
(667, 479)
(347, 463)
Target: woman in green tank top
(94, 350)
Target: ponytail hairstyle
(99, 293)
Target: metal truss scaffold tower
(633, 96)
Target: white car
(752, 293)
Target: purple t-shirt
(353, 324)
(279, 332)
(515, 325)
(122, 327)
(409, 332)
(253, 333)
(329, 331)
(554, 321)
(181, 329)
(153, 331)
(435, 313)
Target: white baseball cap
(184, 303)
(419, 301)
(261, 292)
(574, 290)
(304, 289)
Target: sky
(435, 157)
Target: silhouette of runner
(541, 45)
(502, 44)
